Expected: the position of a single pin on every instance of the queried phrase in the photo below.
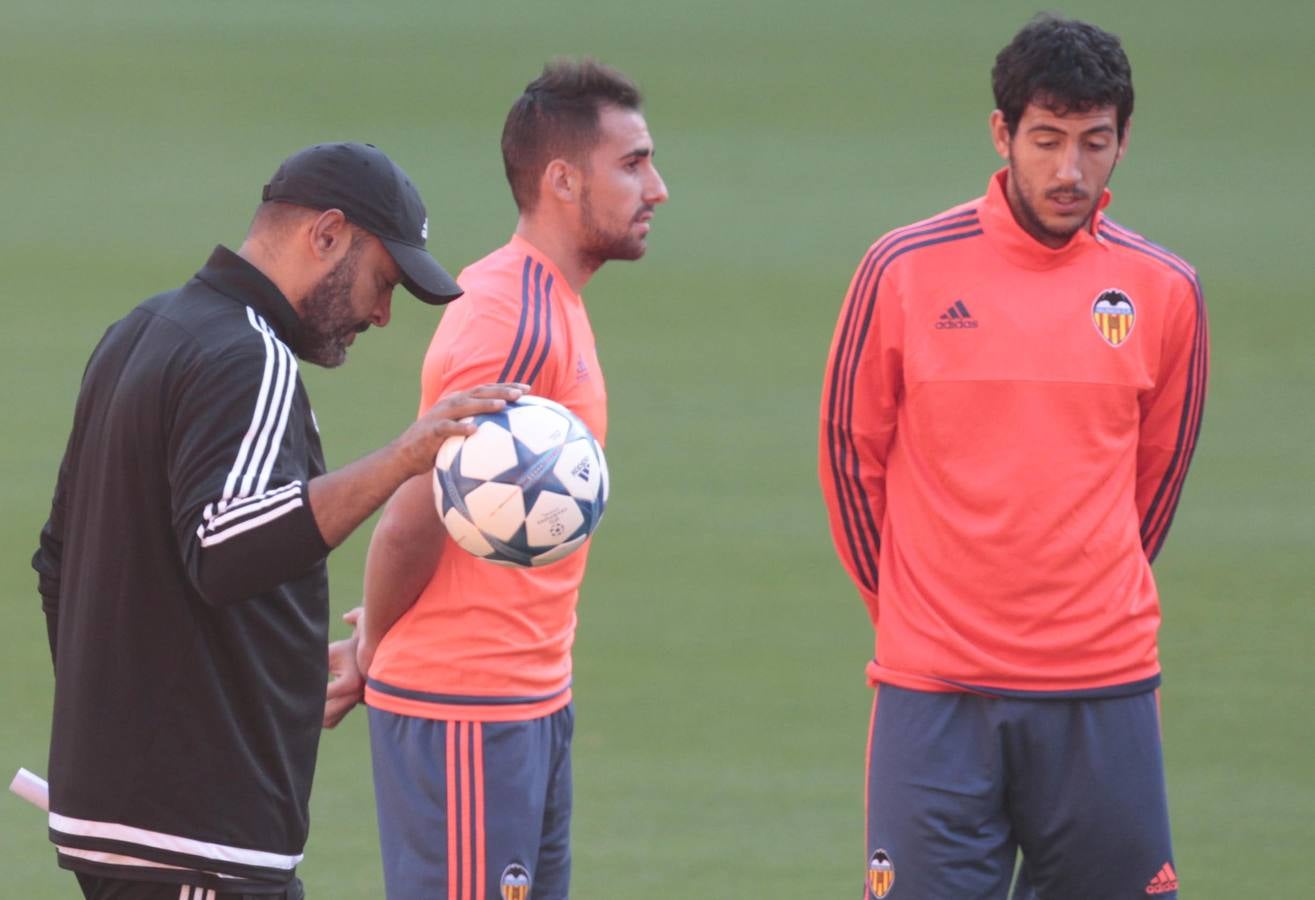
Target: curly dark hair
(1063, 65)
(557, 118)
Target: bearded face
(610, 237)
(329, 321)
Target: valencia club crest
(515, 882)
(881, 874)
(1114, 316)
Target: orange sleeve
(1171, 415)
(861, 387)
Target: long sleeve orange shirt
(1005, 432)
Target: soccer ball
(526, 489)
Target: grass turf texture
(722, 714)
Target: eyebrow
(1055, 129)
(639, 153)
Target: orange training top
(1005, 431)
(483, 642)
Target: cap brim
(421, 273)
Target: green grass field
(721, 708)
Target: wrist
(365, 656)
(414, 453)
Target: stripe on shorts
(452, 820)
(465, 810)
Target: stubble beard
(598, 245)
(1032, 222)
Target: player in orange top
(1011, 402)
(469, 664)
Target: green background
(721, 708)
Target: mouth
(1067, 202)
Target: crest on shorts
(1114, 316)
(515, 882)
(881, 874)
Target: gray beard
(326, 315)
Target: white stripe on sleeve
(245, 502)
(258, 416)
(246, 524)
(285, 408)
(277, 414)
(247, 507)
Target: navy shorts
(473, 810)
(959, 783)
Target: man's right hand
(421, 441)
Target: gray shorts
(473, 809)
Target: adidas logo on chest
(956, 316)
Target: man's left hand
(346, 683)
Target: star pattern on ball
(526, 489)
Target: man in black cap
(182, 570)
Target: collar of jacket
(1003, 230)
(239, 280)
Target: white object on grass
(32, 788)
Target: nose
(1070, 165)
(655, 191)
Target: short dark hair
(557, 117)
(278, 217)
(1063, 65)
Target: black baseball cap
(374, 194)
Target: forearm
(1171, 422)
(344, 498)
(265, 540)
(404, 552)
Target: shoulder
(1147, 258)
(499, 288)
(934, 241)
(953, 226)
(500, 273)
(216, 330)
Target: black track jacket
(183, 580)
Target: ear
(1000, 134)
(562, 181)
(1123, 141)
(329, 235)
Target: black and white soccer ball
(526, 489)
